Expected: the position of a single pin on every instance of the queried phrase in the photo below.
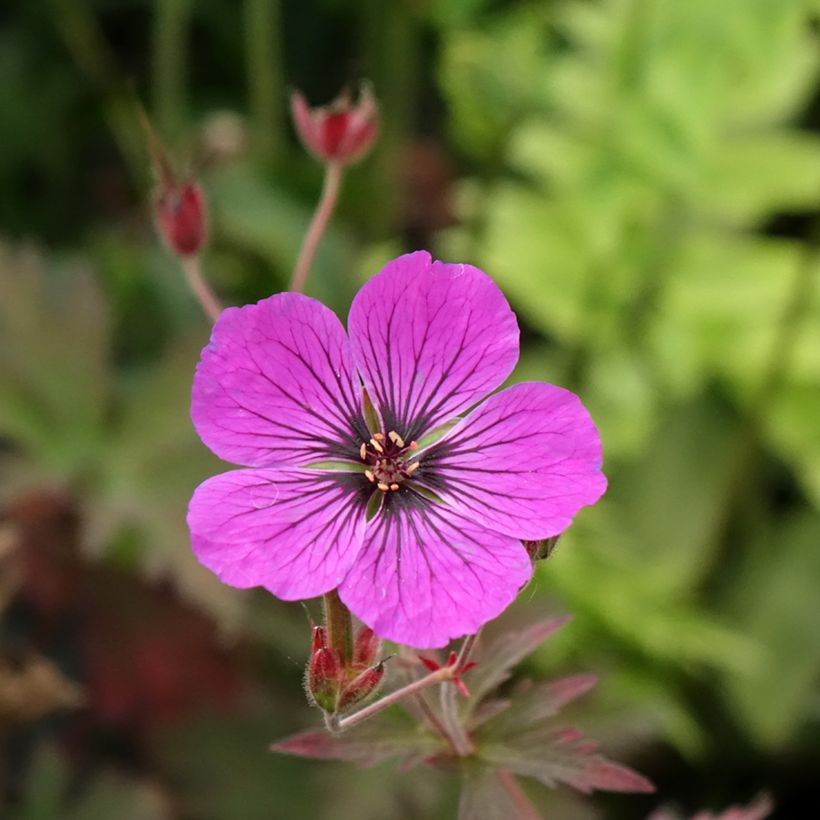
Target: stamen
(370, 476)
(378, 436)
(376, 446)
(363, 451)
(396, 439)
(394, 486)
(383, 487)
(414, 445)
(413, 467)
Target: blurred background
(642, 178)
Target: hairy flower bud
(324, 673)
(179, 210)
(365, 647)
(364, 684)
(341, 132)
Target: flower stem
(264, 74)
(439, 676)
(199, 287)
(321, 217)
(339, 626)
(449, 706)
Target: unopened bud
(180, 214)
(539, 550)
(364, 684)
(341, 132)
(365, 647)
(324, 677)
(179, 207)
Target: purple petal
(428, 575)
(522, 463)
(430, 340)
(276, 385)
(294, 532)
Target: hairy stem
(449, 703)
(439, 676)
(199, 287)
(339, 626)
(321, 217)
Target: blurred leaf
(484, 797)
(505, 652)
(562, 756)
(368, 744)
(774, 600)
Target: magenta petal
(276, 385)
(428, 575)
(523, 463)
(293, 532)
(430, 340)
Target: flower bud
(179, 210)
(539, 550)
(364, 684)
(324, 672)
(365, 647)
(341, 132)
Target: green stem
(170, 55)
(264, 68)
(339, 626)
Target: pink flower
(420, 533)
(340, 132)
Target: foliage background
(642, 177)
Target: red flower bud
(324, 676)
(179, 207)
(365, 647)
(180, 216)
(340, 132)
(361, 686)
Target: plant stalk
(199, 287)
(321, 218)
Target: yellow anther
(414, 445)
(376, 446)
(413, 467)
(370, 476)
(396, 438)
(394, 486)
(383, 487)
(378, 436)
(363, 451)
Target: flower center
(387, 459)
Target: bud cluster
(335, 684)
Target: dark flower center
(388, 460)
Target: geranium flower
(416, 516)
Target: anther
(383, 487)
(396, 438)
(394, 486)
(414, 445)
(376, 446)
(378, 436)
(413, 467)
(370, 476)
(363, 451)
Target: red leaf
(366, 745)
